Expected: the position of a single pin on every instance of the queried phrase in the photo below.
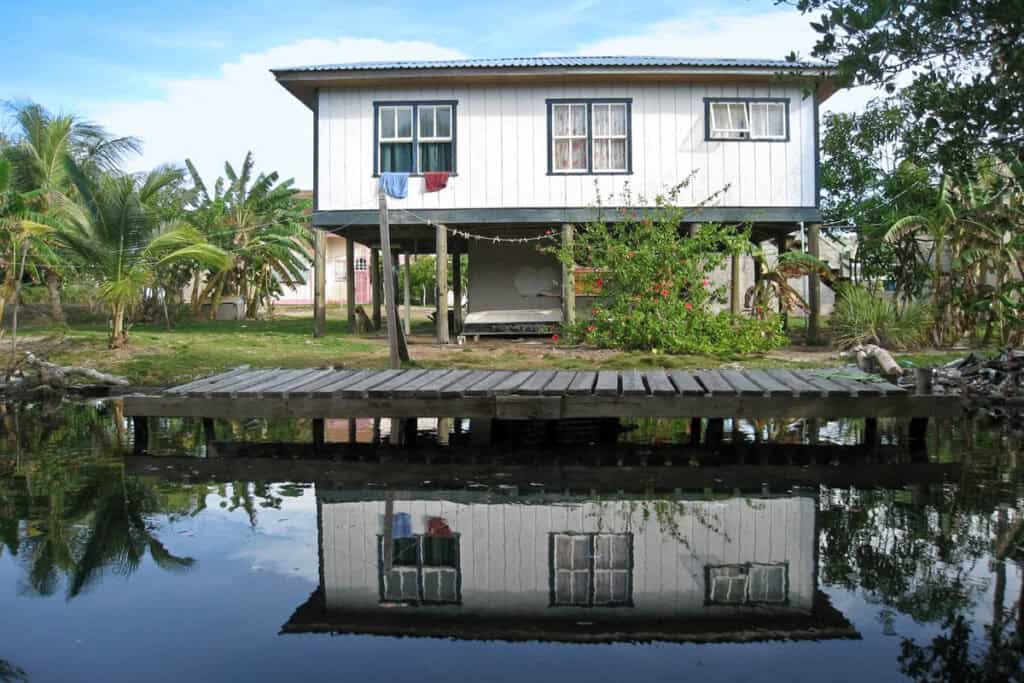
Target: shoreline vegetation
(192, 349)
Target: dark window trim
(746, 565)
(591, 536)
(707, 118)
(415, 104)
(420, 600)
(590, 102)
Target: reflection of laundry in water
(438, 527)
(402, 525)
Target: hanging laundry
(438, 527)
(402, 525)
(395, 184)
(435, 180)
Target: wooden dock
(539, 395)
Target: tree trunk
(53, 286)
(118, 336)
(196, 291)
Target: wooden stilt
(441, 254)
(735, 285)
(457, 291)
(780, 246)
(375, 282)
(871, 434)
(714, 433)
(350, 282)
(814, 287)
(396, 341)
(407, 294)
(319, 283)
(210, 438)
(318, 433)
(918, 438)
(568, 280)
(353, 430)
(696, 427)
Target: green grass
(193, 349)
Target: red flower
(554, 337)
(591, 328)
(688, 306)
(548, 231)
(664, 292)
(632, 254)
(600, 283)
(706, 283)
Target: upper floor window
(425, 569)
(591, 569)
(747, 119)
(747, 584)
(589, 136)
(414, 137)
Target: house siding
(502, 149)
(504, 551)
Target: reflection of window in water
(745, 584)
(424, 569)
(591, 569)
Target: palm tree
(120, 240)
(39, 150)
(774, 283)
(261, 223)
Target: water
(118, 568)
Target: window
(339, 270)
(740, 119)
(591, 570)
(361, 264)
(415, 137)
(424, 570)
(747, 584)
(589, 136)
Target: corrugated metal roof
(542, 62)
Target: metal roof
(547, 62)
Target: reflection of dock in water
(476, 565)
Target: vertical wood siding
(504, 550)
(502, 150)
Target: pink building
(302, 294)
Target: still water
(116, 568)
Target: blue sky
(190, 76)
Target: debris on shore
(35, 377)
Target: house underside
(515, 288)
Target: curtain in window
(777, 120)
(396, 157)
(440, 552)
(758, 120)
(435, 156)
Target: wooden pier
(539, 395)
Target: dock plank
(281, 378)
(513, 382)
(633, 383)
(828, 386)
(797, 385)
(486, 385)
(311, 385)
(535, 385)
(560, 383)
(714, 383)
(659, 383)
(461, 385)
(607, 383)
(372, 379)
(741, 383)
(400, 382)
(438, 382)
(209, 381)
(281, 389)
(340, 383)
(242, 381)
(771, 385)
(583, 383)
(686, 384)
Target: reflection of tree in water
(11, 674)
(949, 656)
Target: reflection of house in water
(477, 566)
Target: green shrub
(865, 316)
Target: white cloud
(219, 118)
(768, 35)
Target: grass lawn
(193, 349)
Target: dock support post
(319, 282)
(780, 248)
(398, 352)
(441, 249)
(375, 284)
(407, 294)
(871, 434)
(814, 286)
(696, 426)
(735, 285)
(353, 431)
(350, 282)
(568, 280)
(140, 435)
(918, 436)
(714, 433)
(318, 433)
(457, 290)
(210, 438)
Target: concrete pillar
(735, 285)
(319, 283)
(376, 284)
(441, 253)
(814, 286)
(350, 281)
(568, 280)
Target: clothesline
(549, 235)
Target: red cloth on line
(435, 180)
(438, 527)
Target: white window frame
(591, 571)
(450, 138)
(570, 138)
(419, 572)
(743, 581)
(396, 139)
(726, 130)
(595, 138)
(361, 264)
(340, 272)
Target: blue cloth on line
(395, 184)
(402, 525)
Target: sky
(190, 77)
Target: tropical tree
(40, 147)
(774, 285)
(119, 238)
(264, 227)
